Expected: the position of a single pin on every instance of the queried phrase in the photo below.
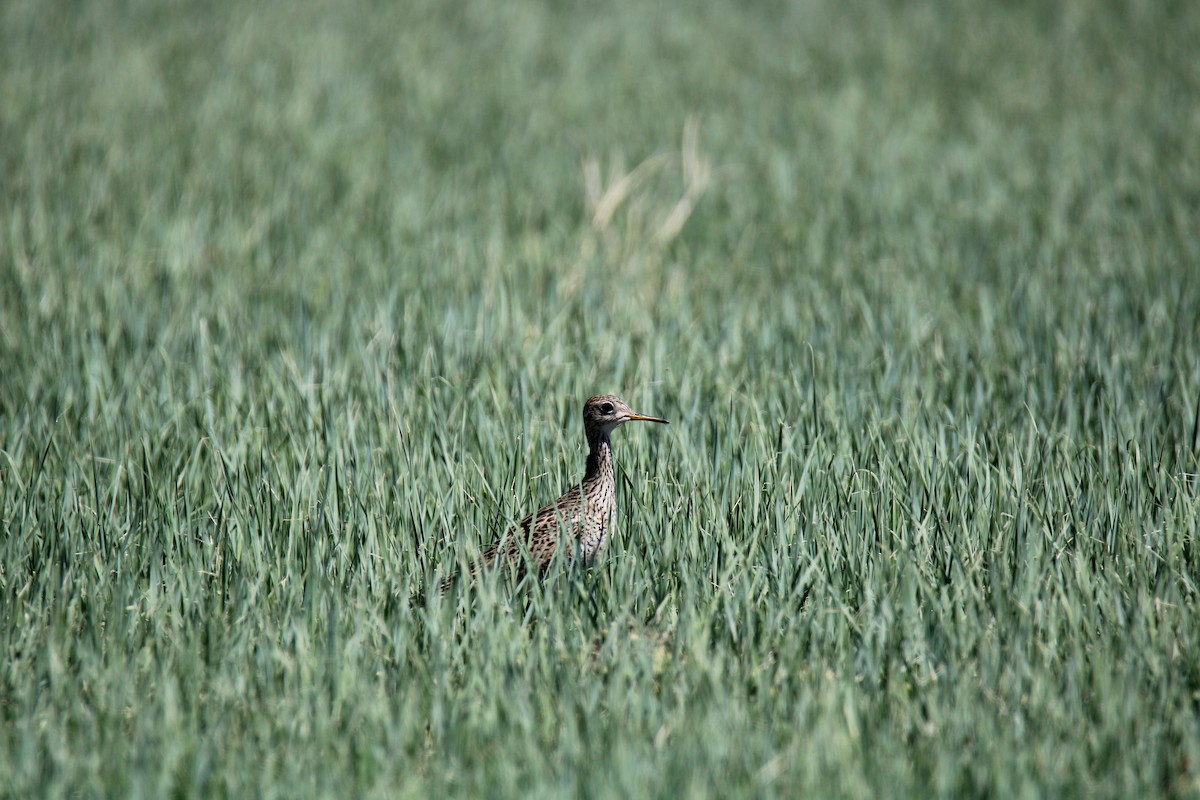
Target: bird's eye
(606, 408)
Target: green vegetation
(299, 306)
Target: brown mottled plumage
(580, 520)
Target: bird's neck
(600, 458)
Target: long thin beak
(644, 418)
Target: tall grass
(299, 306)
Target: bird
(576, 525)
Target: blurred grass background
(299, 303)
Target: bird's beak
(643, 418)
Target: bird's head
(603, 413)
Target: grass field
(299, 305)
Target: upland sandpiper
(578, 522)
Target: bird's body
(576, 525)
